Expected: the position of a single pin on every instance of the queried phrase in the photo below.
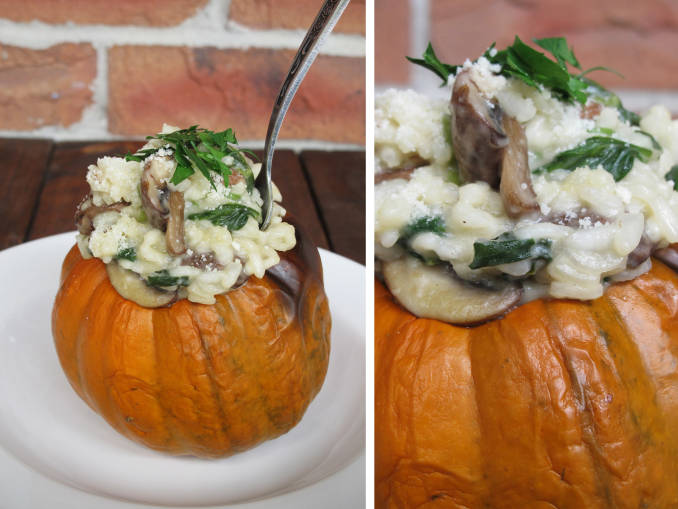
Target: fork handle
(323, 24)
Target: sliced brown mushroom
(641, 253)
(515, 186)
(392, 175)
(434, 292)
(491, 146)
(87, 211)
(132, 287)
(668, 255)
(202, 261)
(154, 190)
(174, 236)
(575, 219)
(478, 138)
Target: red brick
(149, 85)
(293, 14)
(119, 12)
(45, 87)
(391, 41)
(634, 38)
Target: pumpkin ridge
(216, 394)
(119, 315)
(178, 440)
(653, 429)
(70, 289)
(82, 343)
(585, 420)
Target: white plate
(45, 426)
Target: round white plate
(45, 426)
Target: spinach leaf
(163, 279)
(231, 215)
(672, 175)
(508, 249)
(433, 224)
(615, 156)
(128, 253)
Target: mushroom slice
(392, 175)
(87, 211)
(516, 182)
(154, 190)
(434, 292)
(132, 287)
(478, 138)
(174, 236)
(643, 251)
(668, 255)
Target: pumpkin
(205, 380)
(560, 403)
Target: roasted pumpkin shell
(205, 380)
(561, 403)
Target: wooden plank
(289, 176)
(338, 183)
(23, 169)
(65, 183)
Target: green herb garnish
(523, 62)
(129, 253)
(672, 175)
(200, 149)
(613, 155)
(433, 224)
(508, 249)
(424, 224)
(162, 279)
(232, 215)
(431, 62)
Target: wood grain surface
(43, 182)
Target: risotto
(514, 190)
(180, 218)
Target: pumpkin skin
(560, 403)
(204, 380)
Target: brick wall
(638, 39)
(93, 69)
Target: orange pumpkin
(196, 379)
(560, 403)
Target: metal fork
(323, 24)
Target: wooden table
(43, 181)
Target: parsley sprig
(200, 149)
(534, 68)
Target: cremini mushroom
(435, 292)
(154, 190)
(478, 138)
(174, 236)
(515, 185)
(668, 255)
(87, 211)
(132, 287)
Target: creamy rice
(231, 255)
(592, 222)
